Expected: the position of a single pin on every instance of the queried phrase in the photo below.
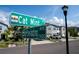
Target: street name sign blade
(25, 20)
(35, 32)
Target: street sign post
(35, 32)
(29, 46)
(25, 20)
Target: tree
(14, 33)
(8, 34)
(73, 31)
(18, 33)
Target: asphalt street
(49, 48)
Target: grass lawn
(5, 44)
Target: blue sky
(33, 10)
(51, 13)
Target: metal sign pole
(29, 46)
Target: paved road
(49, 48)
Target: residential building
(54, 30)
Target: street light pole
(67, 42)
(65, 14)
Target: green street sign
(25, 20)
(35, 32)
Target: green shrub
(3, 45)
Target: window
(49, 28)
(54, 28)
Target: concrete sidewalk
(33, 42)
(70, 39)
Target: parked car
(56, 36)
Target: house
(0, 31)
(54, 30)
(62, 31)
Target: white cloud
(76, 15)
(61, 22)
(77, 23)
(56, 21)
(4, 17)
